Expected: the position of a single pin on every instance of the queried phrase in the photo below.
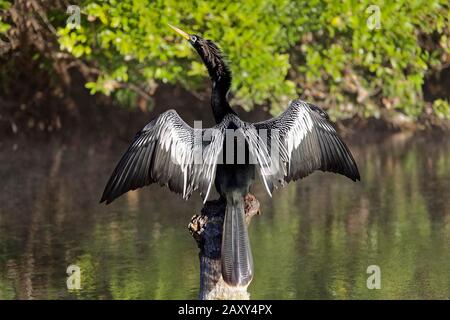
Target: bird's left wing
(169, 152)
(296, 143)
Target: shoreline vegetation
(117, 64)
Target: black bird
(288, 147)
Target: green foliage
(323, 50)
(441, 108)
(4, 5)
(388, 63)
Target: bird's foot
(251, 206)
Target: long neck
(220, 75)
(219, 101)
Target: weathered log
(206, 228)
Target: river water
(315, 239)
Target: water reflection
(314, 239)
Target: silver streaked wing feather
(164, 152)
(306, 142)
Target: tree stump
(206, 228)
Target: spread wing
(299, 141)
(169, 152)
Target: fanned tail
(237, 261)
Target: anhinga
(164, 150)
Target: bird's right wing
(304, 141)
(171, 153)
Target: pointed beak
(181, 32)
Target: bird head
(208, 51)
(194, 40)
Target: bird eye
(193, 39)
